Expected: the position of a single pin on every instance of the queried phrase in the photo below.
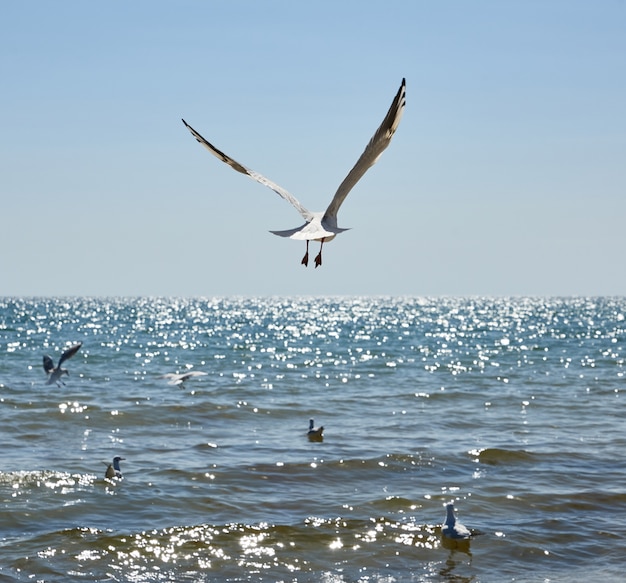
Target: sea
(510, 408)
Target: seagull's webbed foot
(318, 257)
(305, 259)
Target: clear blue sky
(507, 175)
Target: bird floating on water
(315, 433)
(55, 374)
(180, 378)
(113, 469)
(322, 226)
(452, 528)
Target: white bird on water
(55, 374)
(180, 378)
(315, 433)
(322, 226)
(113, 469)
(453, 529)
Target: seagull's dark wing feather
(306, 214)
(377, 145)
(69, 353)
(48, 365)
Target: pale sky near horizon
(506, 176)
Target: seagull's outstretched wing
(48, 365)
(379, 142)
(306, 214)
(194, 373)
(174, 378)
(69, 353)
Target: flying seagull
(322, 226)
(113, 470)
(55, 374)
(453, 529)
(315, 433)
(179, 379)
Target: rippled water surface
(511, 408)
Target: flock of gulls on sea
(454, 534)
(318, 226)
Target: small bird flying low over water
(55, 374)
(113, 469)
(179, 379)
(322, 226)
(315, 433)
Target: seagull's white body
(113, 469)
(322, 226)
(179, 379)
(315, 433)
(453, 529)
(55, 374)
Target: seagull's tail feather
(287, 233)
(310, 232)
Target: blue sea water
(510, 407)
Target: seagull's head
(450, 518)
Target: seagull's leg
(318, 257)
(305, 259)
